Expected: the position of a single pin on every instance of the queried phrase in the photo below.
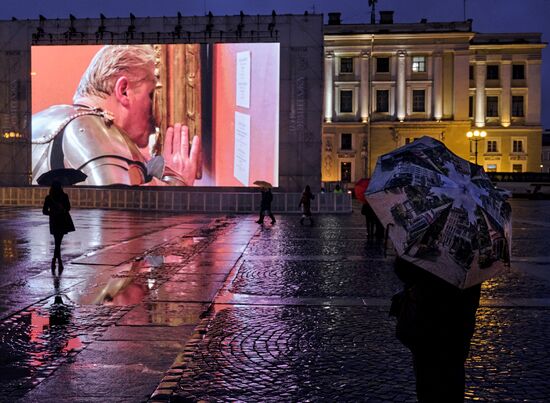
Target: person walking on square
(265, 206)
(436, 321)
(57, 207)
(305, 203)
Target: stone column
(532, 114)
(505, 96)
(438, 86)
(480, 75)
(365, 83)
(329, 85)
(401, 85)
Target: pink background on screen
(263, 111)
(58, 71)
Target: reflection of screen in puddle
(242, 148)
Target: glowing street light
(476, 136)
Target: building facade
(387, 84)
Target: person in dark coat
(57, 207)
(436, 321)
(305, 201)
(265, 206)
(372, 223)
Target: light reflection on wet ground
(49, 319)
(288, 276)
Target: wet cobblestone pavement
(299, 313)
(325, 334)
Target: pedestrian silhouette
(375, 229)
(436, 321)
(57, 207)
(305, 202)
(265, 206)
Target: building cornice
(493, 46)
(400, 36)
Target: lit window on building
(492, 72)
(492, 146)
(517, 168)
(346, 101)
(345, 141)
(517, 106)
(491, 167)
(517, 146)
(418, 101)
(419, 64)
(382, 64)
(346, 65)
(492, 107)
(382, 101)
(345, 172)
(518, 72)
(470, 106)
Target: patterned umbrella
(445, 215)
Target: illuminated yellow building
(387, 84)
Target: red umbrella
(360, 188)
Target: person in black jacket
(436, 321)
(57, 207)
(265, 206)
(305, 201)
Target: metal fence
(176, 200)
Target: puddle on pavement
(33, 340)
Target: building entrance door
(345, 172)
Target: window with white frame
(518, 72)
(345, 141)
(517, 168)
(492, 72)
(418, 101)
(492, 106)
(492, 146)
(346, 65)
(382, 100)
(419, 64)
(382, 64)
(346, 101)
(517, 106)
(518, 146)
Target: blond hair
(134, 61)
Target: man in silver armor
(104, 131)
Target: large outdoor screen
(155, 115)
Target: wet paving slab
(115, 323)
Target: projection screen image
(157, 115)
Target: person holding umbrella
(436, 321)
(265, 204)
(57, 207)
(451, 231)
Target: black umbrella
(65, 176)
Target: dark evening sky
(488, 15)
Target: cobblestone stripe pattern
(280, 354)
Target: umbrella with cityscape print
(444, 214)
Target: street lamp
(476, 136)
